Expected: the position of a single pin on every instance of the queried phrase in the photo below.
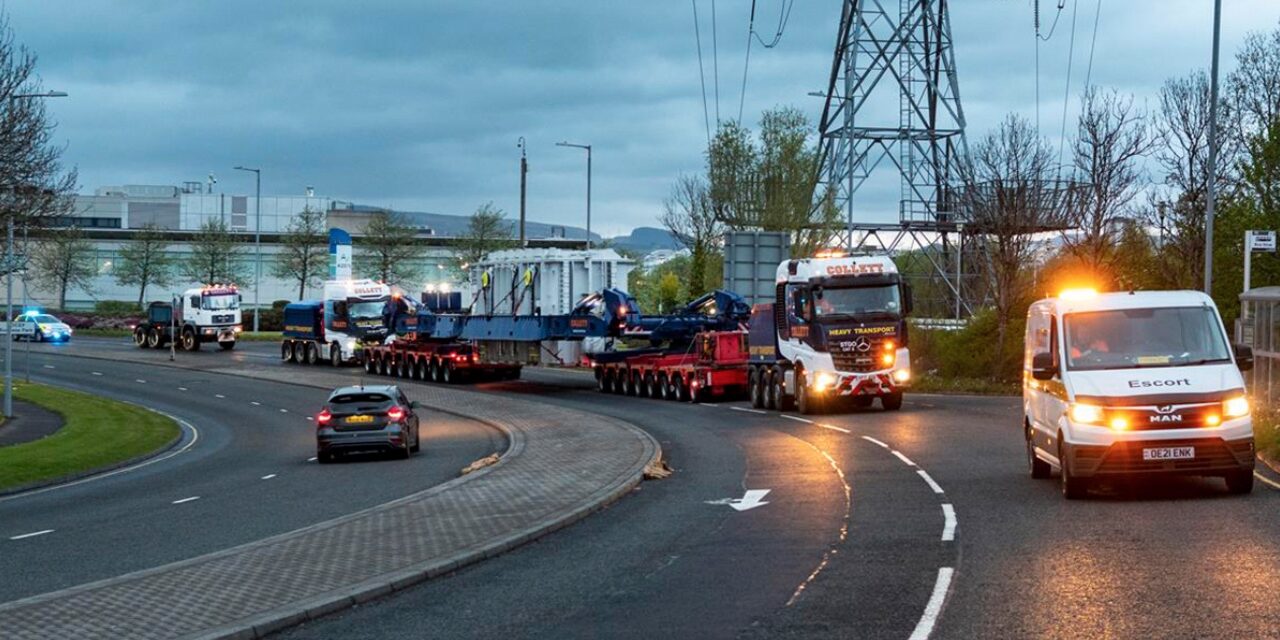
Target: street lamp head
(244, 168)
(56, 94)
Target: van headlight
(1086, 413)
(1236, 407)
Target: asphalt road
(875, 525)
(250, 474)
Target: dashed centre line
(31, 535)
(218, 395)
(186, 500)
(255, 403)
(833, 427)
(140, 381)
(284, 411)
(49, 366)
(96, 373)
(934, 608)
(182, 388)
(744, 409)
(874, 441)
(907, 461)
(269, 476)
(949, 528)
(932, 485)
(798, 419)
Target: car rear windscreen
(360, 398)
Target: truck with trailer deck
(204, 314)
(337, 328)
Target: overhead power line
(784, 16)
(702, 74)
(715, 60)
(1066, 94)
(1088, 74)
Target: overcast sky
(418, 104)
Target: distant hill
(645, 239)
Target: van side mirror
(1043, 367)
(1244, 356)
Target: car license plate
(359, 419)
(1169, 453)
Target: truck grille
(854, 362)
(226, 318)
(847, 355)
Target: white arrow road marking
(874, 441)
(949, 529)
(934, 608)
(747, 410)
(31, 535)
(186, 500)
(904, 459)
(751, 499)
(932, 485)
(269, 476)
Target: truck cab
(336, 328)
(836, 331)
(1134, 384)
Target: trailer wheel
(370, 365)
(434, 370)
(405, 369)
(153, 338)
(384, 365)
(299, 352)
(600, 383)
(448, 373)
(335, 355)
(140, 337)
(650, 386)
(286, 351)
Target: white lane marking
(949, 529)
(798, 419)
(844, 526)
(932, 485)
(195, 437)
(140, 381)
(708, 404)
(31, 535)
(748, 410)
(1273, 483)
(269, 476)
(310, 418)
(934, 608)
(96, 373)
(182, 388)
(904, 459)
(834, 428)
(311, 459)
(184, 500)
(284, 411)
(256, 404)
(874, 441)
(49, 366)
(218, 395)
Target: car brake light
(395, 414)
(324, 417)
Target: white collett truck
(837, 331)
(335, 329)
(1134, 384)
(204, 314)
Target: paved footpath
(560, 465)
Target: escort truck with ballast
(1120, 385)
(205, 314)
(338, 328)
(837, 332)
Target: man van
(1134, 384)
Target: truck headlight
(1236, 407)
(1086, 413)
(823, 381)
(902, 375)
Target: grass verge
(976, 386)
(97, 433)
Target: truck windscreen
(220, 302)
(1140, 338)
(359, 310)
(859, 301)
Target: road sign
(21, 328)
(1262, 241)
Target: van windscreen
(1142, 338)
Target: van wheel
(1073, 488)
(891, 402)
(1240, 482)
(1039, 468)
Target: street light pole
(1213, 151)
(588, 148)
(257, 241)
(10, 259)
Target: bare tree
(1254, 86)
(387, 251)
(1112, 139)
(689, 216)
(487, 231)
(63, 260)
(303, 251)
(143, 261)
(216, 255)
(1177, 208)
(1009, 195)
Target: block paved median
(560, 465)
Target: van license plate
(1169, 453)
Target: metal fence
(1259, 328)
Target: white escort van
(1134, 384)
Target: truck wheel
(600, 381)
(891, 402)
(153, 338)
(448, 375)
(384, 365)
(335, 356)
(1240, 482)
(1039, 468)
(782, 402)
(370, 366)
(806, 403)
(650, 387)
(286, 351)
(227, 345)
(313, 353)
(436, 375)
(299, 353)
(1073, 488)
(190, 342)
(140, 337)
(755, 389)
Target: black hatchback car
(367, 419)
